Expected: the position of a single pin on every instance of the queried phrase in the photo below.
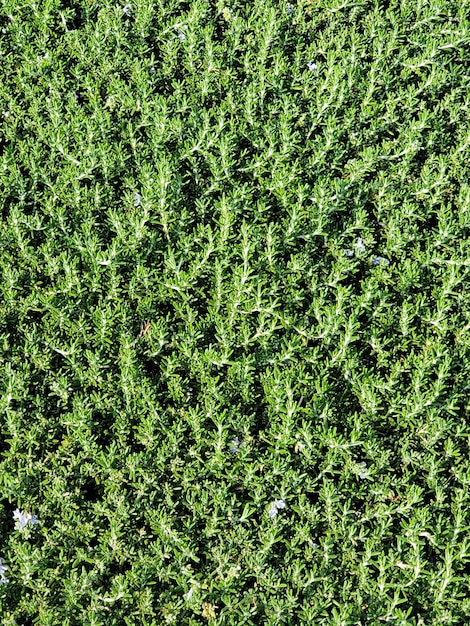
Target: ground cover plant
(234, 316)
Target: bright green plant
(234, 315)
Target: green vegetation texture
(234, 312)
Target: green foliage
(234, 312)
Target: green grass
(234, 313)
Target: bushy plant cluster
(234, 315)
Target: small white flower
(359, 245)
(235, 443)
(379, 260)
(137, 199)
(181, 36)
(290, 9)
(348, 252)
(23, 518)
(275, 506)
(312, 66)
(152, 69)
(127, 9)
(363, 472)
(189, 595)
